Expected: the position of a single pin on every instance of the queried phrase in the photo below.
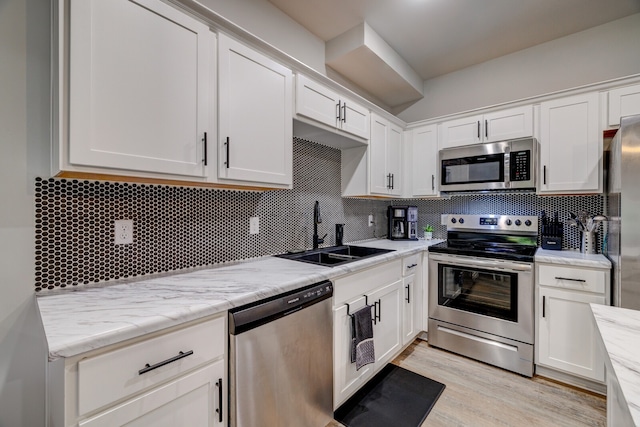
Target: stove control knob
(518, 222)
(461, 220)
(453, 220)
(527, 223)
(508, 222)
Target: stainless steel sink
(334, 255)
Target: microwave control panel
(520, 165)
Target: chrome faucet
(317, 220)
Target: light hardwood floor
(481, 395)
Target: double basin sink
(334, 255)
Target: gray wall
(266, 21)
(601, 53)
(24, 145)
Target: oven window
(487, 292)
(488, 168)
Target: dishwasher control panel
(252, 315)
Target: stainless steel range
(481, 289)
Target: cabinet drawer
(409, 265)
(357, 284)
(572, 278)
(111, 376)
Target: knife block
(551, 241)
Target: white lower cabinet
(167, 379)
(190, 400)
(387, 327)
(381, 288)
(411, 298)
(567, 339)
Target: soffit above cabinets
(363, 57)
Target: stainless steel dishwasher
(281, 360)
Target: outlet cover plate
(254, 225)
(123, 231)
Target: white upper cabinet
(570, 145)
(497, 126)
(321, 104)
(255, 129)
(624, 101)
(423, 158)
(385, 157)
(138, 87)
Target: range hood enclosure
(363, 57)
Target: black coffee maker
(403, 222)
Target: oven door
(488, 295)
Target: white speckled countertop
(620, 332)
(82, 319)
(572, 258)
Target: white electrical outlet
(254, 225)
(444, 219)
(123, 231)
(371, 221)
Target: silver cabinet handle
(486, 128)
(433, 185)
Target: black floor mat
(394, 397)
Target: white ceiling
(440, 36)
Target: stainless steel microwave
(502, 165)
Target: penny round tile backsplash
(179, 227)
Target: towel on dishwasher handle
(362, 352)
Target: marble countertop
(82, 319)
(572, 258)
(620, 332)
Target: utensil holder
(588, 243)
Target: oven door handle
(491, 265)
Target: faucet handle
(321, 239)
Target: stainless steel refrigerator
(623, 243)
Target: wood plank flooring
(480, 395)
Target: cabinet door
(255, 111)
(570, 145)
(317, 102)
(346, 379)
(567, 335)
(508, 124)
(424, 161)
(379, 178)
(387, 330)
(138, 85)
(192, 400)
(355, 119)
(624, 101)
(409, 304)
(394, 159)
(456, 133)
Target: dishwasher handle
(250, 316)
